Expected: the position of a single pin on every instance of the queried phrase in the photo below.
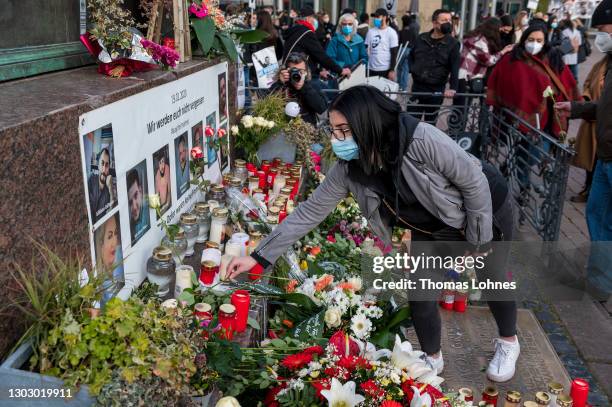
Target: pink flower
(196, 153)
(209, 131)
(221, 133)
(330, 238)
(317, 168)
(199, 11)
(167, 57)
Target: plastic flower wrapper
(138, 52)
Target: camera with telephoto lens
(295, 76)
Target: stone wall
(41, 186)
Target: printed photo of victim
(161, 168)
(100, 169)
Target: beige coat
(586, 143)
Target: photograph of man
(181, 159)
(224, 149)
(139, 208)
(100, 167)
(197, 134)
(222, 97)
(161, 168)
(109, 257)
(211, 154)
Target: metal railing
(535, 164)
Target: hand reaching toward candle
(239, 265)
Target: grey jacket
(443, 177)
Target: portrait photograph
(222, 96)
(138, 206)
(211, 154)
(181, 160)
(109, 257)
(224, 148)
(161, 171)
(101, 176)
(197, 136)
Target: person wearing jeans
(406, 173)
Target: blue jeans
(403, 74)
(599, 221)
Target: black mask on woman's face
(446, 28)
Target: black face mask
(446, 28)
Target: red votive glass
(579, 392)
(227, 319)
(262, 178)
(208, 270)
(242, 301)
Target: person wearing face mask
(521, 22)
(434, 57)
(301, 38)
(347, 47)
(409, 174)
(506, 32)
(382, 43)
(599, 204)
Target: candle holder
(202, 211)
(189, 223)
(161, 271)
(208, 270)
(242, 301)
(227, 320)
(183, 279)
(579, 392)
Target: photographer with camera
(294, 81)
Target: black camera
(295, 76)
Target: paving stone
(603, 374)
(589, 328)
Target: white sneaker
(503, 365)
(436, 364)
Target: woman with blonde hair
(347, 47)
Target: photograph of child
(137, 190)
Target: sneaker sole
(500, 379)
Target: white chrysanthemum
(361, 326)
(235, 130)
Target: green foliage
(139, 339)
(147, 291)
(250, 36)
(46, 290)
(389, 325)
(205, 32)
(306, 397)
(272, 107)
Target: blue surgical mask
(347, 29)
(316, 24)
(345, 150)
(554, 25)
(378, 22)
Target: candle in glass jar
(233, 249)
(579, 392)
(542, 398)
(242, 301)
(282, 215)
(563, 400)
(217, 225)
(279, 183)
(183, 279)
(513, 399)
(253, 184)
(242, 239)
(554, 390)
(202, 311)
(276, 161)
(263, 178)
(265, 166)
(225, 261)
(466, 394)
(490, 394)
(271, 176)
(213, 204)
(208, 271)
(227, 319)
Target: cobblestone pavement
(579, 330)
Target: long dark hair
(490, 30)
(264, 23)
(554, 56)
(374, 122)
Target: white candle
(279, 182)
(234, 249)
(243, 240)
(211, 255)
(212, 204)
(216, 232)
(225, 261)
(183, 279)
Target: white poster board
(390, 6)
(358, 77)
(139, 146)
(266, 67)
(532, 4)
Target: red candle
(242, 301)
(227, 319)
(276, 162)
(208, 270)
(256, 272)
(262, 178)
(265, 166)
(579, 392)
(460, 303)
(490, 394)
(252, 170)
(282, 215)
(448, 300)
(271, 176)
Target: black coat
(311, 100)
(310, 46)
(432, 61)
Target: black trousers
(426, 107)
(384, 74)
(426, 314)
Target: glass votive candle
(202, 211)
(189, 223)
(208, 270)
(227, 320)
(242, 301)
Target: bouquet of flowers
(351, 373)
(251, 132)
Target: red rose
(209, 131)
(196, 153)
(296, 361)
(331, 238)
(221, 133)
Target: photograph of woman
(109, 257)
(406, 173)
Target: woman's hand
(563, 106)
(239, 265)
(507, 49)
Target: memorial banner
(139, 146)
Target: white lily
(342, 395)
(403, 356)
(420, 400)
(227, 402)
(430, 378)
(369, 351)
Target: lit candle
(279, 183)
(242, 301)
(183, 279)
(208, 271)
(234, 249)
(262, 178)
(265, 166)
(227, 319)
(243, 240)
(282, 215)
(579, 392)
(253, 184)
(271, 176)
